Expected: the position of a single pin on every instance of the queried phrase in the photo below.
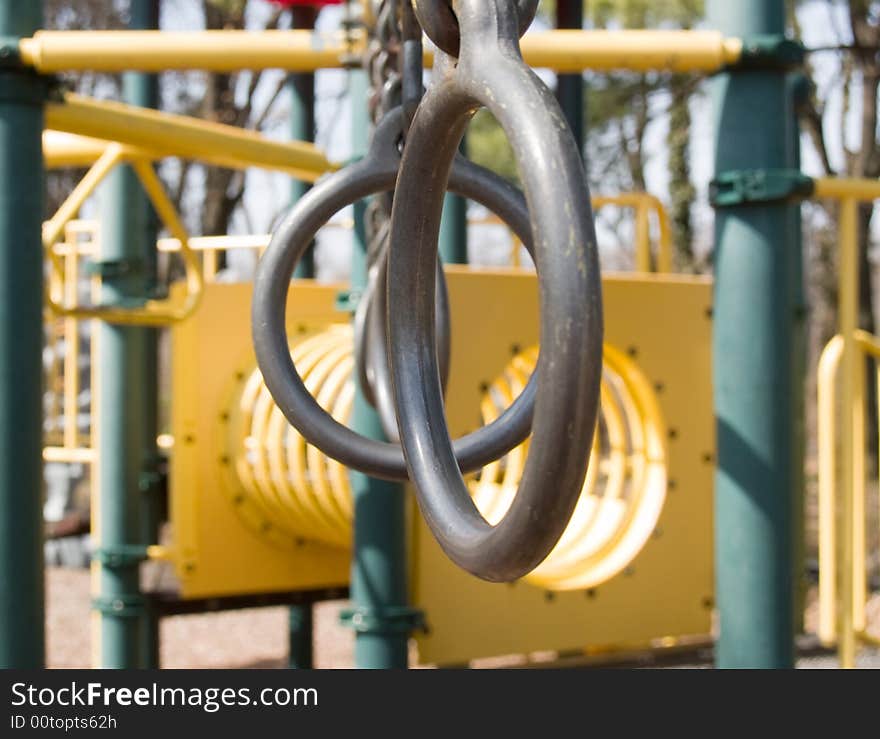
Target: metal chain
(382, 63)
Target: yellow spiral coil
(307, 496)
(625, 485)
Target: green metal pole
(453, 242)
(302, 128)
(21, 346)
(127, 403)
(798, 92)
(143, 90)
(379, 615)
(570, 87)
(302, 122)
(754, 347)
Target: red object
(313, 3)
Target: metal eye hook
(490, 72)
(440, 23)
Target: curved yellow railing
(645, 205)
(848, 544)
(153, 313)
(842, 560)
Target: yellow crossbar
(305, 51)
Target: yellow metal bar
(68, 456)
(54, 227)
(678, 51)
(158, 51)
(154, 312)
(304, 51)
(849, 432)
(829, 363)
(643, 240)
(643, 203)
(69, 150)
(71, 349)
(165, 134)
(217, 243)
(842, 188)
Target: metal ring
(570, 363)
(376, 173)
(439, 21)
(370, 342)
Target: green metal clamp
(739, 187)
(347, 300)
(121, 556)
(111, 269)
(390, 620)
(770, 51)
(10, 55)
(124, 606)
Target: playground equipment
(842, 565)
(256, 512)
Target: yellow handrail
(153, 313)
(153, 134)
(644, 205)
(304, 51)
(842, 608)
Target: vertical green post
(143, 90)
(379, 614)
(453, 240)
(756, 264)
(21, 346)
(301, 87)
(127, 400)
(570, 87)
(798, 95)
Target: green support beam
(127, 403)
(301, 88)
(143, 90)
(799, 93)
(379, 612)
(756, 314)
(453, 240)
(570, 87)
(21, 347)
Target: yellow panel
(664, 324)
(215, 550)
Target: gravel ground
(254, 638)
(246, 638)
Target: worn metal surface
(376, 173)
(489, 71)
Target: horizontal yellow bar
(226, 51)
(157, 552)
(678, 51)
(845, 188)
(69, 150)
(156, 51)
(68, 455)
(166, 134)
